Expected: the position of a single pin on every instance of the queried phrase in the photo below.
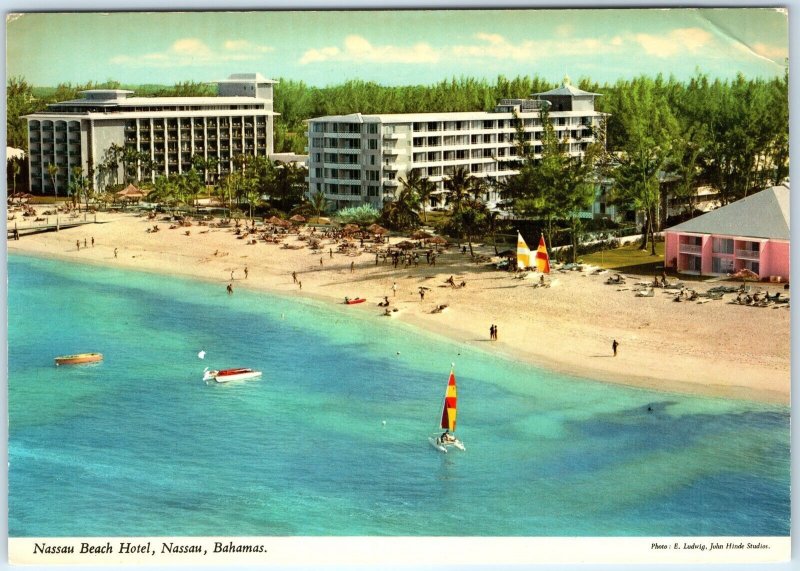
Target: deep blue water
(140, 445)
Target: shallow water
(140, 445)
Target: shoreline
(568, 327)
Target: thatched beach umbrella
(297, 218)
(405, 245)
(745, 274)
(351, 229)
(438, 240)
(421, 235)
(131, 192)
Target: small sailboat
(448, 439)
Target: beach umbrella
(405, 245)
(298, 218)
(132, 191)
(421, 235)
(438, 240)
(351, 229)
(378, 229)
(745, 274)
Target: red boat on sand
(349, 301)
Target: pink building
(751, 233)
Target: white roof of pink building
(761, 215)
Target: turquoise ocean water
(140, 445)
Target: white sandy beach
(714, 348)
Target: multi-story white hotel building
(357, 159)
(239, 121)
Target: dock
(48, 225)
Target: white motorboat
(227, 375)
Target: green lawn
(629, 259)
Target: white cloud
(188, 52)
(359, 49)
(676, 42)
(564, 30)
(246, 46)
(495, 46)
(770, 52)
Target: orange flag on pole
(542, 259)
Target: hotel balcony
(690, 249)
(394, 136)
(748, 254)
(387, 182)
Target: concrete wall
(776, 260)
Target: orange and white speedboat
(226, 375)
(79, 359)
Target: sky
(395, 47)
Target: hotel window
(373, 144)
(722, 246)
(372, 128)
(721, 265)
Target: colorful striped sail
(523, 253)
(542, 259)
(449, 408)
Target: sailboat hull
(444, 446)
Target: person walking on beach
(330, 252)
(78, 245)
(84, 243)
(299, 283)
(320, 262)
(394, 289)
(491, 332)
(421, 294)
(614, 346)
(230, 289)
(352, 265)
(232, 278)
(494, 335)
(294, 277)
(115, 252)
(246, 272)
(92, 241)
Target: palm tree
(401, 213)
(164, 190)
(421, 187)
(15, 168)
(470, 220)
(192, 184)
(319, 203)
(52, 170)
(459, 184)
(76, 185)
(425, 190)
(111, 160)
